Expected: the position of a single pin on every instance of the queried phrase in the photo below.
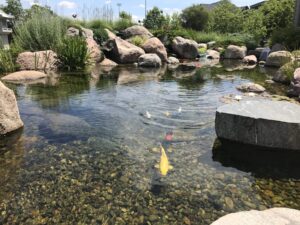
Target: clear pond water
(87, 153)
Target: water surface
(87, 153)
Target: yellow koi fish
(164, 165)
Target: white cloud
(142, 6)
(108, 1)
(67, 5)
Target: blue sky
(86, 8)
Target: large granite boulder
(110, 34)
(154, 45)
(271, 124)
(41, 60)
(26, 75)
(275, 216)
(149, 60)
(96, 54)
(136, 30)
(278, 59)
(9, 113)
(235, 52)
(122, 51)
(185, 48)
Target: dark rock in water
(261, 123)
(264, 54)
(64, 128)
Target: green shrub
(7, 62)
(40, 32)
(289, 37)
(73, 53)
(99, 24)
(288, 70)
(100, 35)
(138, 40)
(122, 24)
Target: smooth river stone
(275, 216)
(271, 124)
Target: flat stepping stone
(26, 75)
(264, 123)
(275, 216)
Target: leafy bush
(40, 32)
(138, 40)
(289, 37)
(99, 24)
(254, 24)
(122, 24)
(195, 17)
(73, 53)
(100, 36)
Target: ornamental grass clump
(73, 53)
(42, 31)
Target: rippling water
(87, 153)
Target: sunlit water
(87, 153)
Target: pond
(87, 153)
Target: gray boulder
(251, 87)
(212, 54)
(278, 47)
(149, 60)
(235, 52)
(27, 75)
(9, 112)
(136, 30)
(72, 32)
(278, 59)
(250, 59)
(272, 124)
(122, 51)
(173, 60)
(185, 48)
(154, 45)
(275, 216)
(41, 60)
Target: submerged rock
(250, 59)
(9, 112)
(173, 60)
(275, 216)
(212, 54)
(263, 123)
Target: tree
(226, 18)
(278, 14)
(195, 17)
(154, 19)
(254, 24)
(14, 7)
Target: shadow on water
(260, 162)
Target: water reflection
(261, 162)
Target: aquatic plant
(73, 53)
